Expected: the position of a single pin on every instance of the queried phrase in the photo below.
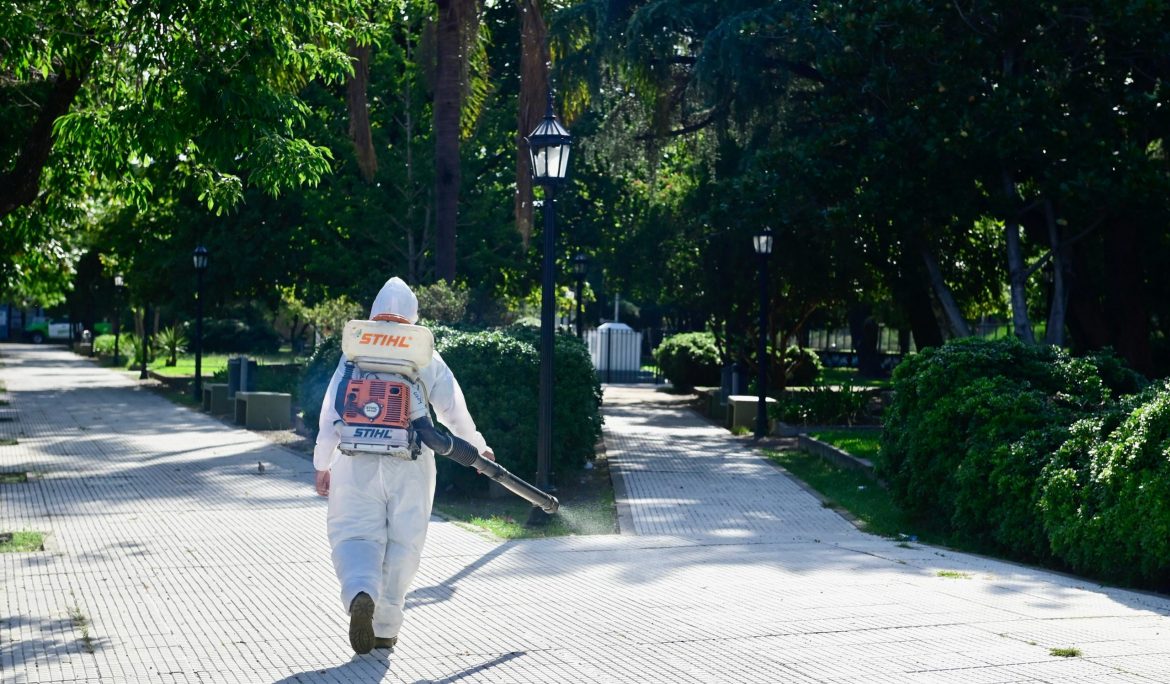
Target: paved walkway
(172, 559)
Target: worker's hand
(323, 482)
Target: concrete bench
(215, 398)
(264, 410)
(741, 411)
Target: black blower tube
(461, 451)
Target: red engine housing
(392, 399)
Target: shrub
(232, 335)
(822, 406)
(689, 359)
(174, 342)
(970, 429)
(442, 302)
(103, 345)
(1103, 501)
(802, 366)
(499, 372)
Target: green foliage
(802, 366)
(174, 342)
(330, 315)
(234, 335)
(103, 345)
(1104, 500)
(689, 360)
(442, 302)
(970, 429)
(499, 372)
(822, 406)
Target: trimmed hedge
(499, 372)
(689, 359)
(971, 428)
(1105, 500)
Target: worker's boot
(385, 642)
(361, 623)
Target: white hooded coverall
(379, 505)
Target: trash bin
(733, 380)
(236, 383)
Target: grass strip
(505, 518)
(860, 443)
(21, 542)
(852, 491)
(11, 477)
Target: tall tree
(95, 93)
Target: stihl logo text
(380, 340)
(372, 433)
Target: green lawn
(861, 443)
(587, 507)
(505, 518)
(211, 363)
(848, 376)
(856, 493)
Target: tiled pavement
(172, 559)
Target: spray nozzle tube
(463, 453)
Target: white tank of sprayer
(387, 346)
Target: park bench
(215, 398)
(264, 410)
(741, 411)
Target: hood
(396, 297)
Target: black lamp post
(548, 149)
(580, 265)
(199, 256)
(119, 285)
(763, 246)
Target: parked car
(41, 330)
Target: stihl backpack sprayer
(384, 408)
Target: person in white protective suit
(379, 505)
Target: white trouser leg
(410, 488)
(357, 525)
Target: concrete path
(172, 559)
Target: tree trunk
(958, 326)
(20, 185)
(359, 111)
(1054, 334)
(1124, 297)
(913, 296)
(1017, 273)
(534, 63)
(448, 102)
(863, 330)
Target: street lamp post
(119, 285)
(580, 265)
(548, 149)
(200, 259)
(762, 243)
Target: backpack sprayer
(384, 408)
